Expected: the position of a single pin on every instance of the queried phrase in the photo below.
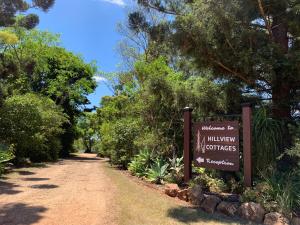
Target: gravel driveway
(71, 192)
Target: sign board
(217, 145)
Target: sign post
(187, 156)
(247, 144)
(217, 145)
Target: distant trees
(87, 128)
(10, 11)
(33, 62)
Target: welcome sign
(217, 145)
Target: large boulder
(275, 218)
(210, 203)
(228, 208)
(296, 221)
(196, 195)
(172, 190)
(183, 194)
(252, 211)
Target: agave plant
(140, 164)
(176, 169)
(158, 171)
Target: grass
(141, 205)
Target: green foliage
(32, 124)
(141, 163)
(88, 131)
(267, 139)
(38, 64)
(6, 154)
(117, 141)
(176, 170)
(10, 10)
(210, 181)
(277, 192)
(158, 171)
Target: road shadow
(8, 188)
(25, 173)
(35, 179)
(20, 214)
(193, 215)
(44, 186)
(80, 158)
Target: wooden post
(247, 144)
(187, 156)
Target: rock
(252, 211)
(196, 195)
(210, 203)
(172, 190)
(229, 197)
(228, 208)
(296, 221)
(275, 218)
(183, 194)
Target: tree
(33, 125)
(254, 42)
(251, 45)
(10, 10)
(87, 128)
(37, 64)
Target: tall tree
(11, 9)
(254, 42)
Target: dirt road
(70, 192)
(85, 190)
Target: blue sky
(89, 28)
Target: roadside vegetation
(43, 88)
(212, 57)
(209, 55)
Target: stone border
(228, 205)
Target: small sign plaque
(217, 145)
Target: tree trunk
(281, 88)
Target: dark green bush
(117, 141)
(32, 124)
(267, 139)
(6, 154)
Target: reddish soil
(71, 192)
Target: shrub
(209, 181)
(267, 138)
(5, 156)
(276, 192)
(158, 171)
(141, 163)
(32, 123)
(176, 170)
(117, 140)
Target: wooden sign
(217, 145)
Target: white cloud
(99, 79)
(116, 2)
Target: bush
(277, 192)
(176, 170)
(209, 181)
(158, 171)
(267, 139)
(5, 156)
(117, 141)
(141, 163)
(32, 123)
